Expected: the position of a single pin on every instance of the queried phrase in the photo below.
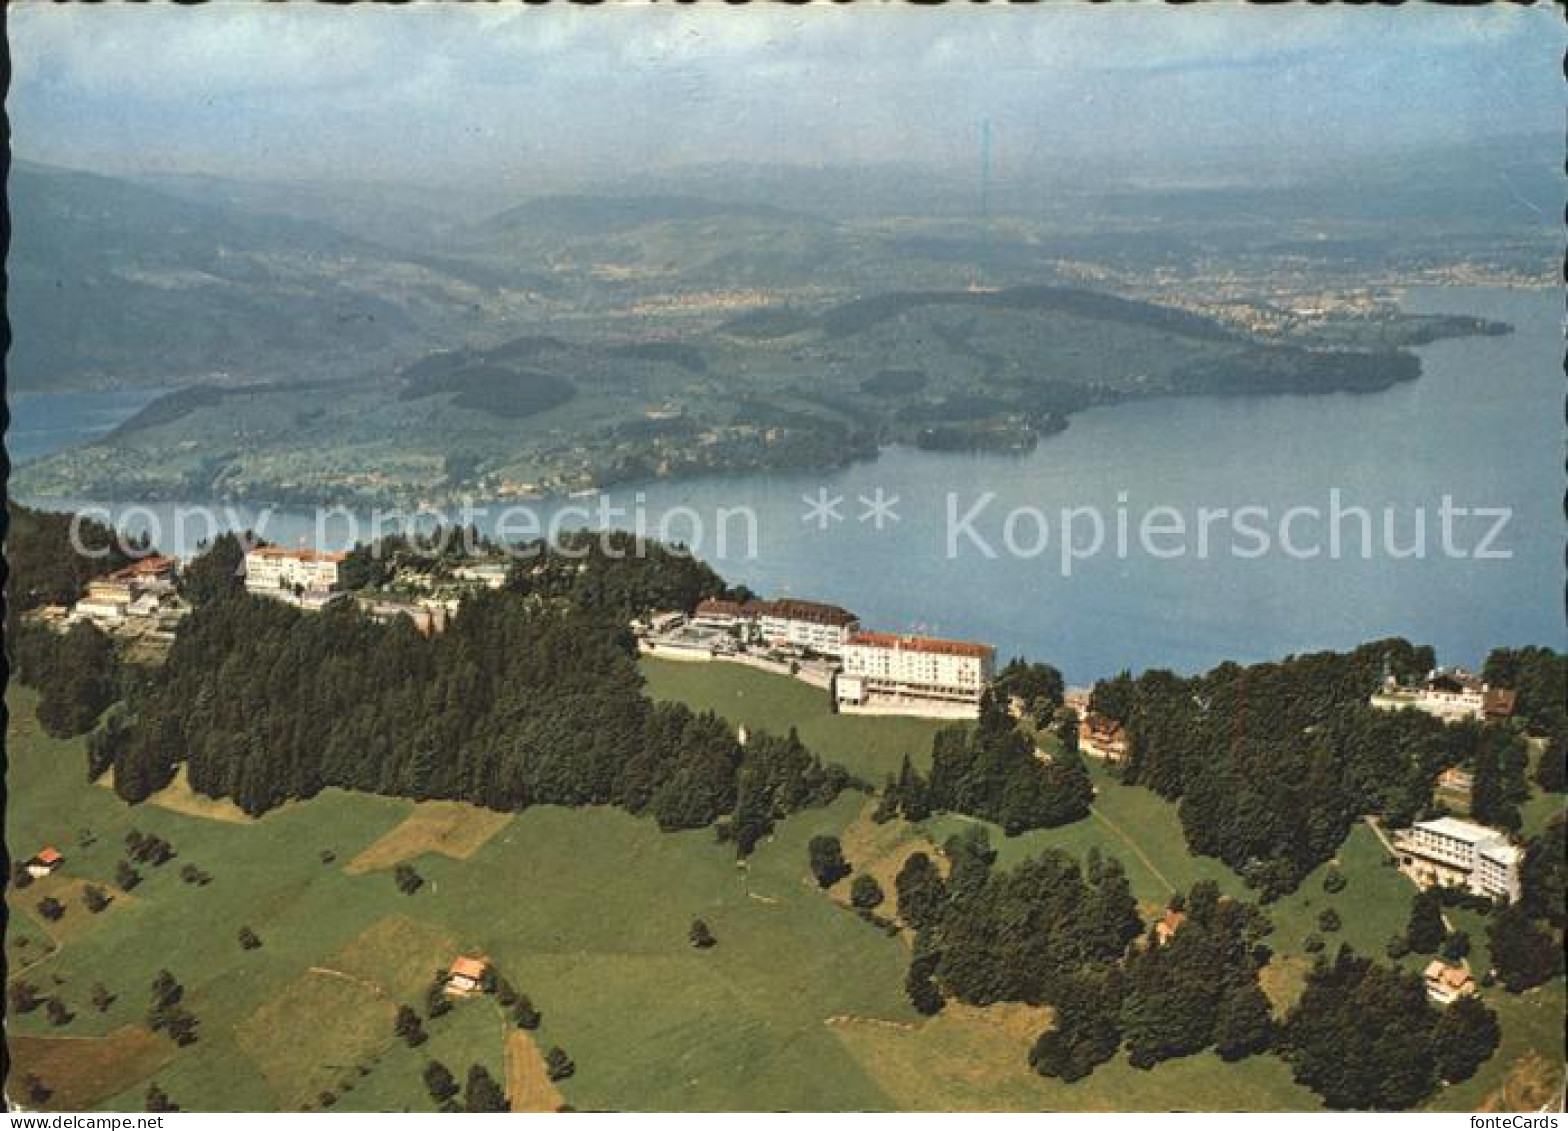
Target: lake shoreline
(1486, 443)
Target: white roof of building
(1467, 831)
(1505, 854)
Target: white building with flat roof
(1454, 853)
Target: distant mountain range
(115, 284)
(174, 280)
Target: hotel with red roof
(888, 666)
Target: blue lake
(1483, 426)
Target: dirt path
(365, 983)
(528, 1083)
(1132, 844)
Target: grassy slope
(867, 746)
(1143, 831)
(587, 912)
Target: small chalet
(1445, 983)
(1102, 738)
(48, 860)
(464, 976)
(1455, 779)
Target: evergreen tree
(1524, 954)
(1455, 947)
(914, 795)
(217, 572)
(408, 1027)
(1244, 1025)
(1551, 772)
(558, 1064)
(921, 989)
(439, 1082)
(700, 936)
(95, 898)
(828, 865)
(1360, 1036)
(1085, 1033)
(865, 892)
(1426, 929)
(79, 683)
(482, 1093)
(524, 1013)
(1543, 876)
(921, 891)
(1490, 800)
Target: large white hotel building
(1456, 853)
(888, 666)
(276, 571)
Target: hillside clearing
(451, 828)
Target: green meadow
(870, 747)
(799, 1006)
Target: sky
(434, 94)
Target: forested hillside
(1272, 763)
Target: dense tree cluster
(520, 701)
(219, 571)
(1525, 953)
(1273, 763)
(1498, 760)
(865, 892)
(440, 1083)
(46, 569)
(1181, 989)
(826, 857)
(993, 772)
(1425, 930)
(1539, 678)
(1087, 1029)
(167, 1014)
(921, 891)
(1543, 876)
(1014, 935)
(436, 551)
(1365, 1036)
(482, 1093)
(614, 573)
(74, 672)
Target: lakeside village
(861, 671)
